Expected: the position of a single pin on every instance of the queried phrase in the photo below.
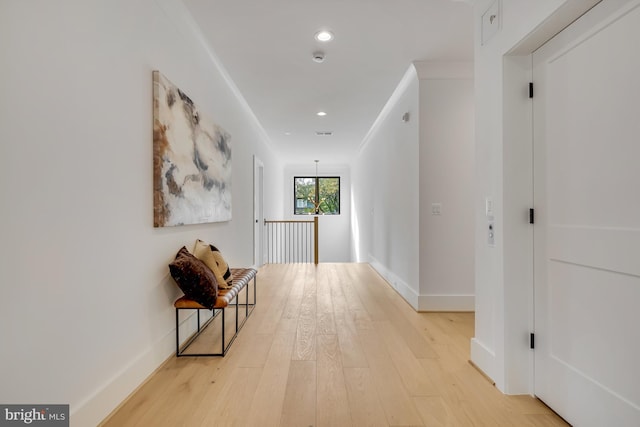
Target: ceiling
(267, 48)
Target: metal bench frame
(249, 307)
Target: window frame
(317, 193)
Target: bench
(225, 298)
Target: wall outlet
(491, 234)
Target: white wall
(333, 230)
(503, 173)
(404, 167)
(446, 178)
(87, 302)
(385, 193)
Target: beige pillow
(212, 258)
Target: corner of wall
(446, 303)
(409, 76)
(107, 399)
(446, 186)
(395, 282)
(503, 313)
(446, 70)
(483, 358)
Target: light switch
(436, 208)
(488, 206)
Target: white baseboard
(95, 408)
(423, 302)
(483, 358)
(405, 291)
(446, 303)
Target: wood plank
(382, 293)
(335, 280)
(305, 344)
(346, 328)
(455, 338)
(435, 412)
(325, 323)
(413, 375)
(266, 407)
(350, 349)
(365, 287)
(396, 401)
(280, 287)
(299, 408)
(251, 350)
(360, 319)
(468, 395)
(366, 408)
(229, 406)
(348, 279)
(174, 381)
(332, 402)
(294, 300)
(221, 383)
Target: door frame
(518, 362)
(258, 212)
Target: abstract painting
(191, 161)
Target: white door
(258, 212)
(587, 230)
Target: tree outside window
(316, 195)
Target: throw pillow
(194, 278)
(213, 259)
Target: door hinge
(532, 341)
(532, 216)
(531, 90)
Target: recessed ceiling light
(321, 113)
(324, 36)
(287, 133)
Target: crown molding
(406, 80)
(443, 70)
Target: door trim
(514, 367)
(258, 212)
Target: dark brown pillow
(194, 278)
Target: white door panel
(579, 297)
(587, 231)
(588, 246)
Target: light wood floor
(332, 345)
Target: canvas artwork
(191, 161)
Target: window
(316, 195)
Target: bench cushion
(241, 277)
